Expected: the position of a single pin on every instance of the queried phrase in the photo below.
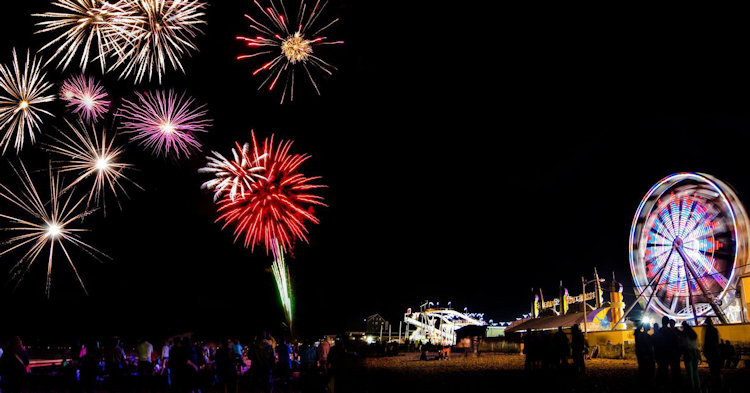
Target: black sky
(470, 153)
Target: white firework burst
(23, 90)
(89, 155)
(49, 226)
(234, 174)
(164, 34)
(93, 29)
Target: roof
(552, 322)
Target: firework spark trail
(236, 174)
(279, 204)
(88, 154)
(164, 34)
(96, 29)
(164, 122)
(283, 281)
(85, 97)
(287, 46)
(22, 91)
(45, 226)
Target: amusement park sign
(571, 299)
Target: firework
(88, 154)
(279, 204)
(236, 174)
(283, 282)
(96, 29)
(85, 97)
(164, 122)
(288, 46)
(44, 226)
(164, 34)
(22, 91)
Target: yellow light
(23, 104)
(296, 48)
(53, 230)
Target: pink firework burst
(164, 122)
(85, 97)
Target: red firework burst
(276, 206)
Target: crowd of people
(182, 365)
(659, 350)
(545, 350)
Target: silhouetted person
(262, 360)
(579, 348)
(711, 352)
(13, 364)
(644, 352)
(672, 336)
(178, 357)
(527, 346)
(661, 352)
(226, 369)
(145, 366)
(114, 364)
(90, 365)
(562, 347)
(284, 365)
(731, 355)
(691, 356)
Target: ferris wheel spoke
(673, 305)
(701, 221)
(654, 231)
(680, 216)
(693, 205)
(670, 229)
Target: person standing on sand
(711, 352)
(579, 347)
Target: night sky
(471, 153)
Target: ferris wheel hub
(677, 242)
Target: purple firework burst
(164, 122)
(85, 97)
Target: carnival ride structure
(688, 248)
(439, 325)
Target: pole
(597, 290)
(399, 331)
(656, 278)
(381, 332)
(389, 332)
(686, 262)
(585, 323)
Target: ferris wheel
(688, 245)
